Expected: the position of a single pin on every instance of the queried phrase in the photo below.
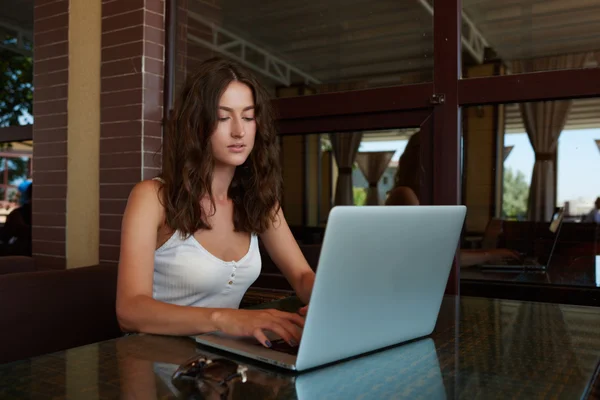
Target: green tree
(515, 195)
(18, 169)
(360, 196)
(16, 84)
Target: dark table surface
(480, 349)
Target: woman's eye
(248, 118)
(223, 119)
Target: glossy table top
(481, 349)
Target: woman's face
(233, 139)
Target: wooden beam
(446, 117)
(16, 133)
(355, 122)
(407, 97)
(537, 86)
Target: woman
(189, 244)
(406, 186)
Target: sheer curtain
(373, 165)
(345, 146)
(544, 121)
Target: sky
(578, 161)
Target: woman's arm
(469, 258)
(137, 311)
(286, 254)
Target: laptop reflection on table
(408, 371)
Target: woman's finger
(293, 317)
(262, 338)
(277, 328)
(303, 311)
(292, 330)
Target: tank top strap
(254, 242)
(159, 179)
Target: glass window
(3, 172)
(520, 174)
(18, 170)
(12, 195)
(316, 176)
(530, 36)
(300, 48)
(14, 169)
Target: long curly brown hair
(188, 161)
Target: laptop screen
(597, 270)
(557, 218)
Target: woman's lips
(236, 148)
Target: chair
(47, 311)
(16, 264)
(492, 233)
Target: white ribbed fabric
(186, 274)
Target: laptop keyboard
(284, 347)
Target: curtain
(373, 165)
(507, 151)
(345, 147)
(544, 121)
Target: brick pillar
(181, 44)
(51, 70)
(133, 40)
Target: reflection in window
(578, 185)
(376, 148)
(18, 170)
(598, 271)
(2, 171)
(530, 36)
(314, 180)
(506, 147)
(14, 170)
(518, 166)
(301, 48)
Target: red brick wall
(181, 44)
(133, 39)
(51, 63)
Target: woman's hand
(255, 322)
(303, 311)
(469, 258)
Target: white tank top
(186, 274)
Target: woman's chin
(232, 161)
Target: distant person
(404, 193)
(15, 236)
(594, 215)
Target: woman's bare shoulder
(146, 195)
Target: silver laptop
(531, 263)
(380, 281)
